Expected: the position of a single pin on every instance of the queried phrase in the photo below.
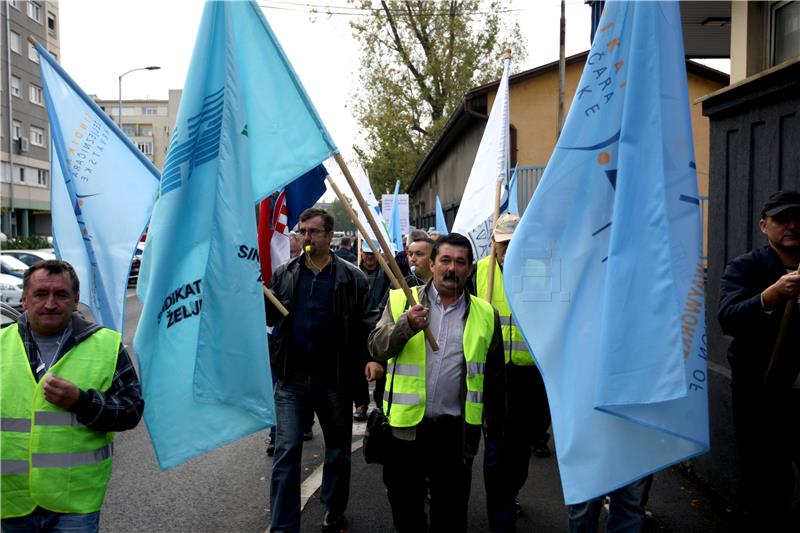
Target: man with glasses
(319, 353)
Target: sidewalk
(678, 503)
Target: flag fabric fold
(474, 217)
(441, 222)
(102, 193)
(245, 129)
(513, 192)
(394, 226)
(604, 273)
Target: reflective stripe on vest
(514, 347)
(408, 377)
(49, 459)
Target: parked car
(11, 290)
(12, 265)
(29, 257)
(133, 277)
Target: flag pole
(776, 350)
(363, 231)
(384, 245)
(274, 301)
(496, 214)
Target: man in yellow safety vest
(506, 457)
(435, 401)
(67, 385)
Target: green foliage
(26, 243)
(342, 221)
(419, 57)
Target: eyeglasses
(311, 232)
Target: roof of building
(473, 108)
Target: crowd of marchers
(68, 384)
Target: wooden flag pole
(363, 231)
(497, 192)
(493, 251)
(384, 245)
(274, 301)
(791, 304)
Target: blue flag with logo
(245, 128)
(102, 193)
(604, 273)
(441, 222)
(395, 230)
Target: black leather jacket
(754, 331)
(355, 311)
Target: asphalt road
(227, 490)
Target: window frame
(19, 42)
(36, 8)
(39, 132)
(18, 87)
(35, 89)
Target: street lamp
(119, 94)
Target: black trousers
(435, 461)
(767, 429)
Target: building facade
(148, 123)
(24, 130)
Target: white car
(11, 290)
(12, 265)
(29, 257)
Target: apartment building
(148, 123)
(24, 130)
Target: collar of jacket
(341, 269)
(81, 329)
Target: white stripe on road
(314, 481)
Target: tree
(419, 57)
(343, 222)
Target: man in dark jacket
(755, 290)
(318, 353)
(345, 250)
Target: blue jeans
(626, 512)
(42, 520)
(295, 397)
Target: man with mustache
(755, 290)
(435, 401)
(67, 386)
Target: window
(35, 11)
(42, 177)
(37, 136)
(51, 24)
(785, 31)
(14, 3)
(35, 93)
(22, 174)
(16, 130)
(129, 129)
(149, 111)
(14, 44)
(16, 83)
(33, 54)
(146, 148)
(145, 130)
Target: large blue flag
(102, 193)
(604, 274)
(395, 230)
(441, 222)
(245, 128)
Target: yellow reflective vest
(514, 347)
(47, 457)
(408, 376)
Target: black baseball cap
(779, 202)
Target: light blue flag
(102, 193)
(395, 230)
(604, 273)
(441, 222)
(245, 128)
(513, 193)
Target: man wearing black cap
(757, 289)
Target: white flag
(474, 218)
